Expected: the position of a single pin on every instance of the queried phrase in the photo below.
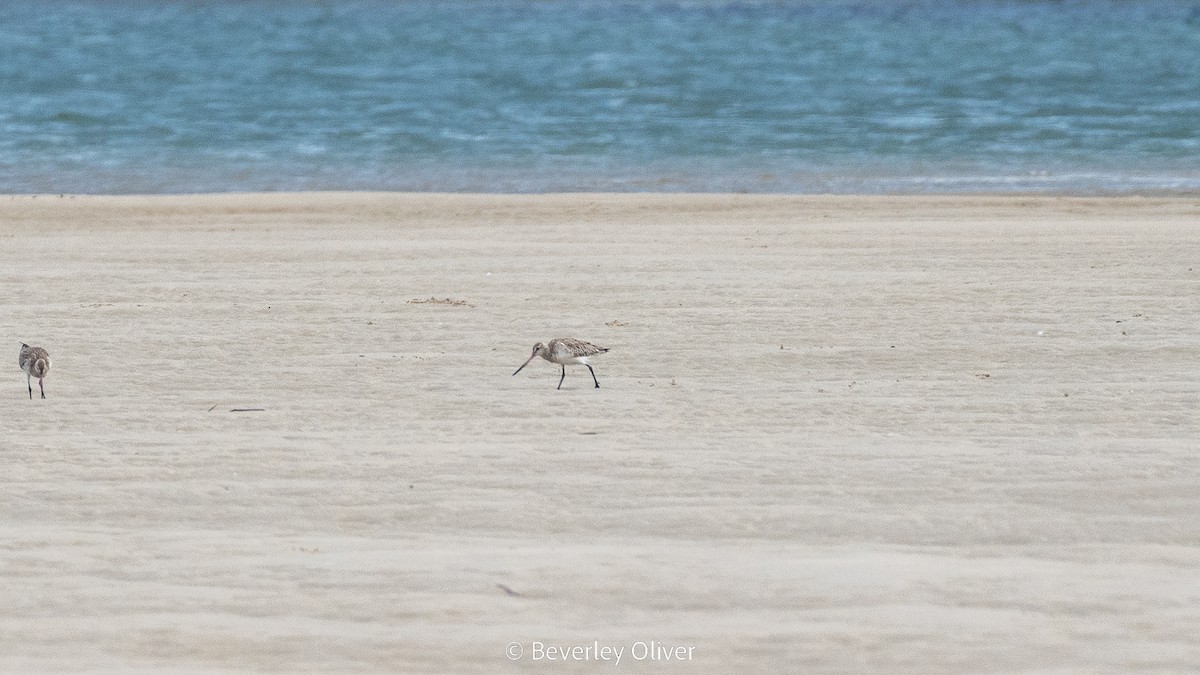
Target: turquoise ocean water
(566, 95)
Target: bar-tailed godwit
(35, 361)
(563, 351)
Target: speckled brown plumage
(35, 361)
(563, 351)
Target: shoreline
(615, 201)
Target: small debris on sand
(440, 301)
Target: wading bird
(35, 361)
(563, 351)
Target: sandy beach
(833, 434)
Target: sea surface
(572, 95)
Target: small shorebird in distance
(563, 351)
(35, 361)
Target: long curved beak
(526, 363)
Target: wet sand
(834, 434)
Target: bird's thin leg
(593, 376)
(41, 386)
(563, 377)
(29, 383)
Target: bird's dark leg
(593, 376)
(29, 383)
(563, 377)
(41, 387)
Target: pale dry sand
(901, 435)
